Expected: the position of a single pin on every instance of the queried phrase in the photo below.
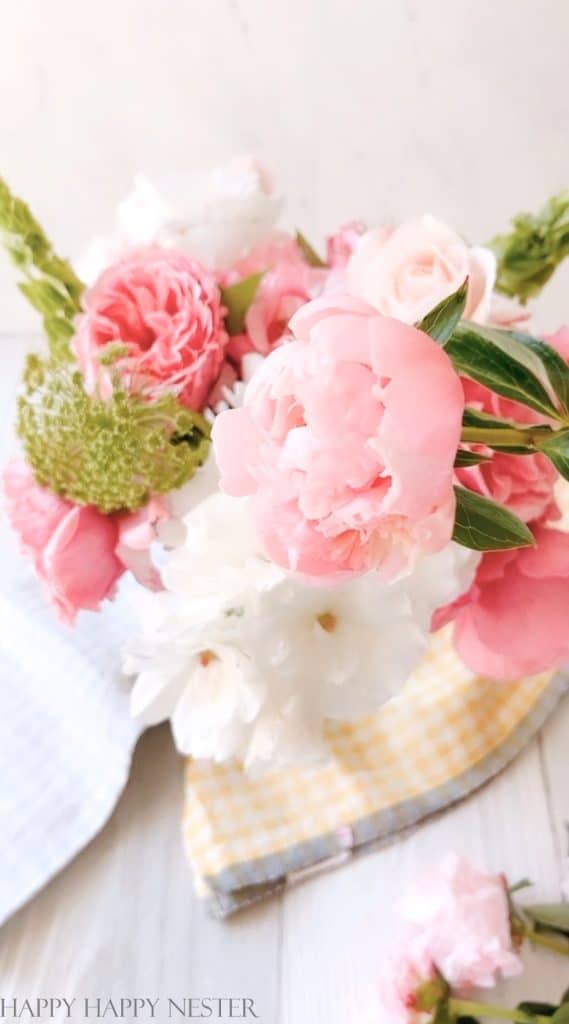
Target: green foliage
(112, 454)
(308, 251)
(440, 323)
(237, 298)
(553, 916)
(50, 283)
(529, 254)
(483, 525)
(503, 364)
(556, 447)
(465, 459)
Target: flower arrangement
(308, 463)
(460, 930)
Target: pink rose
(513, 621)
(287, 284)
(460, 917)
(407, 970)
(78, 552)
(406, 272)
(165, 309)
(524, 485)
(344, 477)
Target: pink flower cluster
(513, 622)
(453, 924)
(326, 443)
(78, 553)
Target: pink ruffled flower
(406, 272)
(78, 553)
(523, 485)
(407, 970)
(165, 309)
(287, 284)
(513, 621)
(341, 245)
(343, 475)
(459, 916)
(560, 342)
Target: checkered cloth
(444, 736)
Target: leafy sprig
(529, 254)
(49, 282)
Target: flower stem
(503, 438)
(547, 941)
(459, 1007)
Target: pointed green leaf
(555, 367)
(556, 447)
(498, 361)
(308, 251)
(483, 525)
(442, 320)
(464, 459)
(561, 1016)
(237, 298)
(554, 916)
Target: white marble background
(366, 108)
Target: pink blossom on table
(78, 553)
(406, 272)
(341, 245)
(459, 916)
(523, 485)
(343, 476)
(288, 283)
(513, 620)
(407, 970)
(165, 309)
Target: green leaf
(561, 1016)
(537, 1009)
(464, 459)
(556, 447)
(501, 363)
(50, 283)
(524, 883)
(554, 916)
(555, 367)
(237, 298)
(483, 525)
(442, 320)
(308, 251)
(529, 254)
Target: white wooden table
(122, 920)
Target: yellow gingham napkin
(445, 735)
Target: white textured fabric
(66, 736)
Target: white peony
(249, 661)
(215, 217)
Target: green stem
(547, 941)
(463, 1007)
(506, 438)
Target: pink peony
(523, 484)
(288, 283)
(406, 971)
(344, 476)
(513, 621)
(460, 917)
(560, 342)
(78, 552)
(406, 272)
(166, 310)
